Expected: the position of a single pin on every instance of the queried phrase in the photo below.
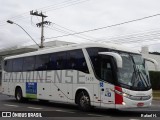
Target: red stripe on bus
(118, 97)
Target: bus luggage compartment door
(107, 95)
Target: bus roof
(76, 46)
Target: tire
(84, 101)
(18, 95)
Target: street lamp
(11, 22)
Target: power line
(91, 30)
(26, 13)
(18, 17)
(62, 31)
(73, 31)
(127, 40)
(123, 42)
(69, 31)
(128, 36)
(131, 39)
(141, 37)
(64, 4)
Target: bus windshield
(134, 72)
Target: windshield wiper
(144, 78)
(137, 74)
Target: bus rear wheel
(84, 101)
(18, 95)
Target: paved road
(67, 112)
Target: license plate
(140, 104)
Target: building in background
(20, 50)
(146, 54)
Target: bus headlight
(126, 95)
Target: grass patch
(156, 93)
(34, 96)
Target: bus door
(106, 83)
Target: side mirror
(153, 61)
(116, 56)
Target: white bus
(100, 75)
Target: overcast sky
(81, 15)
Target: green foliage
(155, 79)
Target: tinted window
(17, 64)
(58, 61)
(61, 60)
(52, 62)
(42, 62)
(5, 65)
(77, 61)
(106, 68)
(8, 65)
(28, 64)
(93, 53)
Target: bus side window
(29, 63)
(57, 61)
(77, 61)
(42, 62)
(5, 65)
(17, 64)
(81, 63)
(71, 57)
(61, 59)
(93, 53)
(52, 62)
(9, 66)
(71, 63)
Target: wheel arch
(16, 88)
(79, 90)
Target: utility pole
(41, 24)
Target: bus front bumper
(128, 103)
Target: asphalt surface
(51, 111)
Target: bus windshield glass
(133, 73)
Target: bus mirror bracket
(116, 56)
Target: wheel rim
(18, 96)
(84, 101)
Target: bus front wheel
(18, 95)
(84, 101)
